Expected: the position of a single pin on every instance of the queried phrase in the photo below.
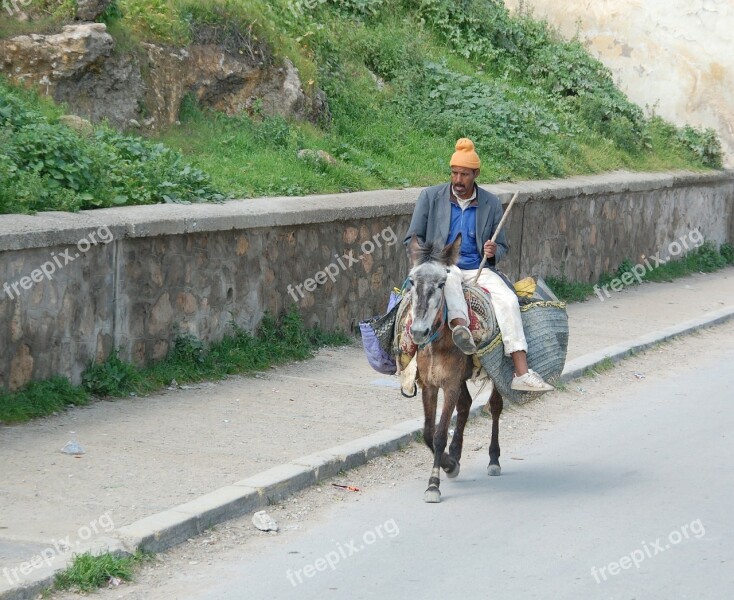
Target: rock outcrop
(79, 67)
(45, 60)
(90, 10)
(114, 91)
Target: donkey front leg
(495, 408)
(452, 465)
(429, 395)
(440, 439)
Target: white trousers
(504, 302)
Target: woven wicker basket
(546, 331)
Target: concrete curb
(578, 367)
(173, 526)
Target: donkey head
(429, 267)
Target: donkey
(442, 365)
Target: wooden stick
(496, 233)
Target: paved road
(631, 501)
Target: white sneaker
(530, 382)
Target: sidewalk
(145, 455)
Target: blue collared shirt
(464, 222)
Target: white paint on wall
(675, 57)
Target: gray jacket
(432, 218)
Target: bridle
(439, 323)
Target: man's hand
(490, 248)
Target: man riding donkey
(443, 212)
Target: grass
(260, 158)
(704, 259)
(569, 291)
(250, 158)
(88, 572)
(190, 360)
(40, 398)
(601, 367)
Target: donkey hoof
(494, 470)
(454, 473)
(432, 495)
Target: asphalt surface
(630, 501)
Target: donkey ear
(450, 253)
(414, 247)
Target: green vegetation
(569, 291)
(88, 572)
(704, 259)
(404, 79)
(189, 360)
(45, 165)
(601, 367)
(40, 398)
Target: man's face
(462, 180)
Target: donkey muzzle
(419, 332)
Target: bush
(703, 143)
(526, 48)
(113, 377)
(44, 165)
(706, 258)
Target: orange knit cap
(465, 155)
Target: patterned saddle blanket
(545, 323)
(483, 324)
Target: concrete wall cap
(50, 229)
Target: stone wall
(129, 278)
(590, 233)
